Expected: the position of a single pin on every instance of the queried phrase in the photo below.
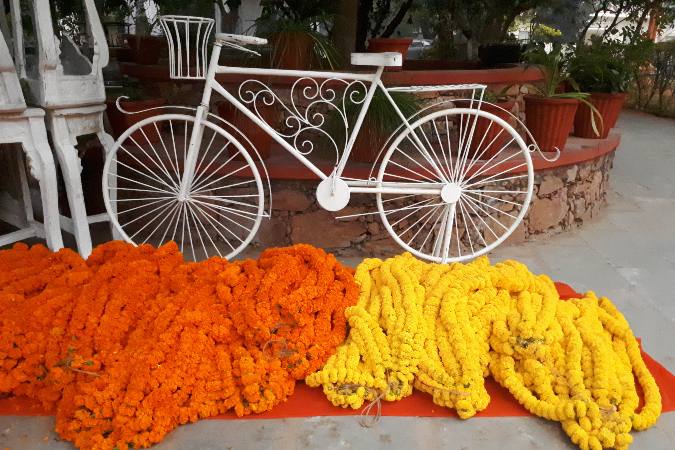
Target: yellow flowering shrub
(443, 328)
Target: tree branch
(398, 18)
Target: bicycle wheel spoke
(442, 229)
(189, 231)
(478, 153)
(447, 136)
(162, 207)
(486, 166)
(466, 227)
(153, 177)
(481, 219)
(496, 198)
(440, 144)
(150, 158)
(211, 183)
(144, 215)
(491, 207)
(197, 223)
(398, 198)
(174, 216)
(437, 160)
(214, 223)
(425, 155)
(158, 159)
(175, 206)
(204, 153)
(412, 171)
(429, 214)
(447, 236)
(431, 230)
(400, 177)
(490, 216)
(221, 214)
(142, 199)
(228, 186)
(494, 191)
(236, 212)
(172, 162)
(152, 188)
(414, 210)
(494, 180)
(229, 201)
(410, 158)
(125, 211)
(204, 175)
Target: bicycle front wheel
(481, 172)
(142, 174)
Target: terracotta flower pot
(145, 49)
(608, 105)
(380, 45)
(292, 50)
(550, 120)
(258, 137)
(119, 122)
(494, 140)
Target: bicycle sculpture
(452, 183)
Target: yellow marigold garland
(443, 328)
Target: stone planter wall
(564, 197)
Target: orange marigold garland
(135, 342)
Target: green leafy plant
(554, 67)
(606, 66)
(381, 116)
(492, 96)
(288, 22)
(655, 84)
(380, 121)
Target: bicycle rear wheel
(142, 174)
(482, 172)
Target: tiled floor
(627, 254)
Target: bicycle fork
(198, 129)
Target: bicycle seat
(239, 39)
(386, 59)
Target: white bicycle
(452, 184)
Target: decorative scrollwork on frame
(306, 112)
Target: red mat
(307, 402)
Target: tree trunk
(345, 29)
(362, 23)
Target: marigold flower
(135, 341)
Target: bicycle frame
(372, 81)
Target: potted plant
(380, 121)
(549, 110)
(144, 48)
(137, 99)
(298, 32)
(486, 135)
(381, 20)
(605, 69)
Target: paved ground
(627, 254)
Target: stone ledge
(565, 196)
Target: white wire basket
(188, 37)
